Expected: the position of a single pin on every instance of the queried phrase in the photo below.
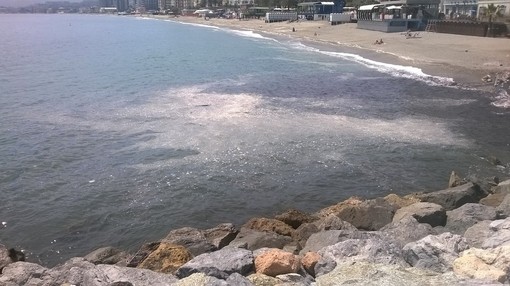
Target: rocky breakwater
(456, 236)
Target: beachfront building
(397, 16)
(459, 9)
(502, 5)
(319, 10)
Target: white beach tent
(368, 7)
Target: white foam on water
(502, 100)
(391, 69)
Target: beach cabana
(318, 10)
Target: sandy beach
(466, 59)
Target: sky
(22, 3)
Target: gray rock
(22, 273)
(221, 235)
(191, 238)
(435, 252)
(106, 255)
(330, 237)
(453, 198)
(236, 279)
(464, 217)
(478, 233)
(503, 208)
(430, 213)
(252, 239)
(503, 187)
(295, 218)
(369, 214)
(455, 180)
(333, 222)
(374, 250)
(406, 230)
(500, 234)
(304, 231)
(219, 264)
(370, 274)
(10, 255)
(295, 279)
(135, 276)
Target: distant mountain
(23, 3)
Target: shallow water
(115, 130)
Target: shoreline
(465, 59)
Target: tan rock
(259, 279)
(270, 225)
(167, 258)
(484, 264)
(334, 209)
(295, 218)
(276, 262)
(309, 260)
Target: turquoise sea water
(115, 130)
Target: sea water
(115, 130)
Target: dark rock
(269, 225)
(295, 218)
(464, 217)
(191, 238)
(121, 283)
(219, 264)
(304, 231)
(399, 202)
(478, 233)
(142, 253)
(252, 239)
(430, 213)
(106, 255)
(10, 255)
(330, 237)
(435, 252)
(503, 209)
(364, 215)
(487, 185)
(221, 235)
(167, 258)
(453, 198)
(406, 230)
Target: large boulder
(219, 264)
(259, 279)
(22, 273)
(167, 258)
(309, 261)
(10, 255)
(269, 225)
(375, 250)
(200, 279)
(134, 276)
(191, 238)
(107, 255)
(295, 218)
(406, 230)
(275, 262)
(435, 252)
(364, 215)
(430, 213)
(499, 234)
(330, 222)
(252, 239)
(365, 273)
(329, 237)
(464, 217)
(503, 209)
(399, 202)
(478, 233)
(142, 253)
(453, 198)
(489, 264)
(221, 235)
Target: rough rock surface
(453, 198)
(309, 261)
(21, 273)
(435, 252)
(219, 264)
(142, 253)
(107, 255)
(464, 217)
(221, 235)
(191, 238)
(478, 233)
(269, 225)
(295, 218)
(499, 235)
(430, 213)
(399, 202)
(364, 215)
(259, 279)
(489, 264)
(406, 230)
(167, 258)
(503, 209)
(374, 250)
(330, 237)
(275, 262)
(200, 279)
(364, 273)
(252, 239)
(8, 256)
